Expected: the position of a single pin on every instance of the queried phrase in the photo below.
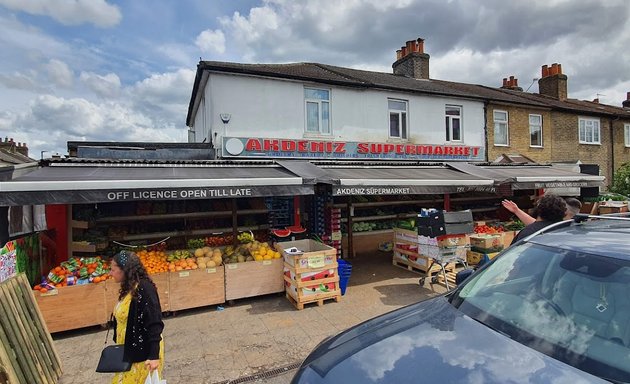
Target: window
(397, 118)
(500, 128)
(535, 131)
(453, 123)
(626, 134)
(589, 131)
(317, 110)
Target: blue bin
(344, 269)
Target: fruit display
(254, 251)
(245, 237)
(77, 271)
(153, 261)
(208, 257)
(177, 255)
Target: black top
(144, 325)
(530, 229)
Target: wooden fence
(27, 352)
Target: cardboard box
(474, 258)
(486, 241)
(452, 241)
(311, 254)
(508, 236)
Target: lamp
(225, 117)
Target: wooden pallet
(299, 305)
(402, 264)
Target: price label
(336, 236)
(232, 266)
(316, 261)
(50, 293)
(211, 270)
(184, 274)
(266, 262)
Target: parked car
(554, 308)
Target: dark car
(554, 308)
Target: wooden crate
(253, 278)
(73, 307)
(305, 287)
(314, 255)
(112, 290)
(196, 288)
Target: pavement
(261, 339)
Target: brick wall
(414, 65)
(518, 131)
(621, 152)
(566, 147)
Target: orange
(43, 290)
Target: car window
(572, 306)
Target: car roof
(601, 236)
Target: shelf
(166, 216)
(484, 209)
(83, 247)
(387, 203)
(79, 224)
(365, 233)
(381, 217)
(457, 199)
(194, 232)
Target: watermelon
(296, 229)
(281, 232)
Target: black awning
(401, 180)
(531, 176)
(90, 183)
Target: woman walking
(137, 319)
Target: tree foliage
(621, 182)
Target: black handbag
(112, 357)
(112, 360)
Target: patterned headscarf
(121, 258)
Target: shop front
(200, 228)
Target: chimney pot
(403, 51)
(553, 70)
(505, 82)
(516, 82)
(410, 46)
(10, 140)
(559, 69)
(420, 45)
(627, 95)
(545, 70)
(399, 54)
(596, 101)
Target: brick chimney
(411, 61)
(8, 145)
(552, 82)
(626, 102)
(511, 83)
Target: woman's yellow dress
(138, 372)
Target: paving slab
(254, 335)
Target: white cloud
(107, 86)
(75, 12)
(59, 73)
(211, 41)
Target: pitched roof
(333, 75)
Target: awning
(402, 180)
(531, 176)
(109, 182)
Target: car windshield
(572, 306)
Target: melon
(281, 232)
(296, 229)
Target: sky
(109, 70)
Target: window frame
(626, 135)
(403, 128)
(540, 127)
(320, 112)
(506, 122)
(448, 120)
(582, 140)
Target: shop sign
(178, 194)
(409, 190)
(331, 149)
(556, 184)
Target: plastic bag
(154, 378)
